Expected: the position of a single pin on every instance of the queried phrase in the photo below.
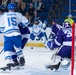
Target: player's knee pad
(55, 60)
(8, 56)
(19, 51)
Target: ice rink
(36, 59)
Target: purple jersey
(64, 37)
(54, 30)
(25, 32)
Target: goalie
(63, 40)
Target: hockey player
(54, 29)
(63, 40)
(37, 30)
(25, 33)
(2, 9)
(12, 35)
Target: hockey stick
(1, 51)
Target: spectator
(23, 8)
(39, 7)
(19, 5)
(4, 2)
(27, 16)
(31, 12)
(0, 2)
(33, 2)
(27, 1)
(17, 1)
(14, 1)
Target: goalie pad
(65, 63)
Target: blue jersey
(64, 37)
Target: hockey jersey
(10, 21)
(25, 32)
(64, 37)
(37, 29)
(54, 30)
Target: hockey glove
(50, 45)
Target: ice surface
(36, 59)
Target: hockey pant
(65, 51)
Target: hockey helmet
(36, 19)
(11, 6)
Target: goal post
(73, 49)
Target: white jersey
(10, 21)
(37, 29)
(1, 24)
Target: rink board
(30, 43)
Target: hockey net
(73, 64)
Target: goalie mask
(66, 24)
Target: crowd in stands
(51, 9)
(26, 7)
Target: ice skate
(16, 63)
(52, 67)
(7, 67)
(55, 63)
(22, 61)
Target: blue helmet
(36, 19)
(11, 6)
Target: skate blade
(4, 71)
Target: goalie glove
(50, 44)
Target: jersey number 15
(12, 21)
